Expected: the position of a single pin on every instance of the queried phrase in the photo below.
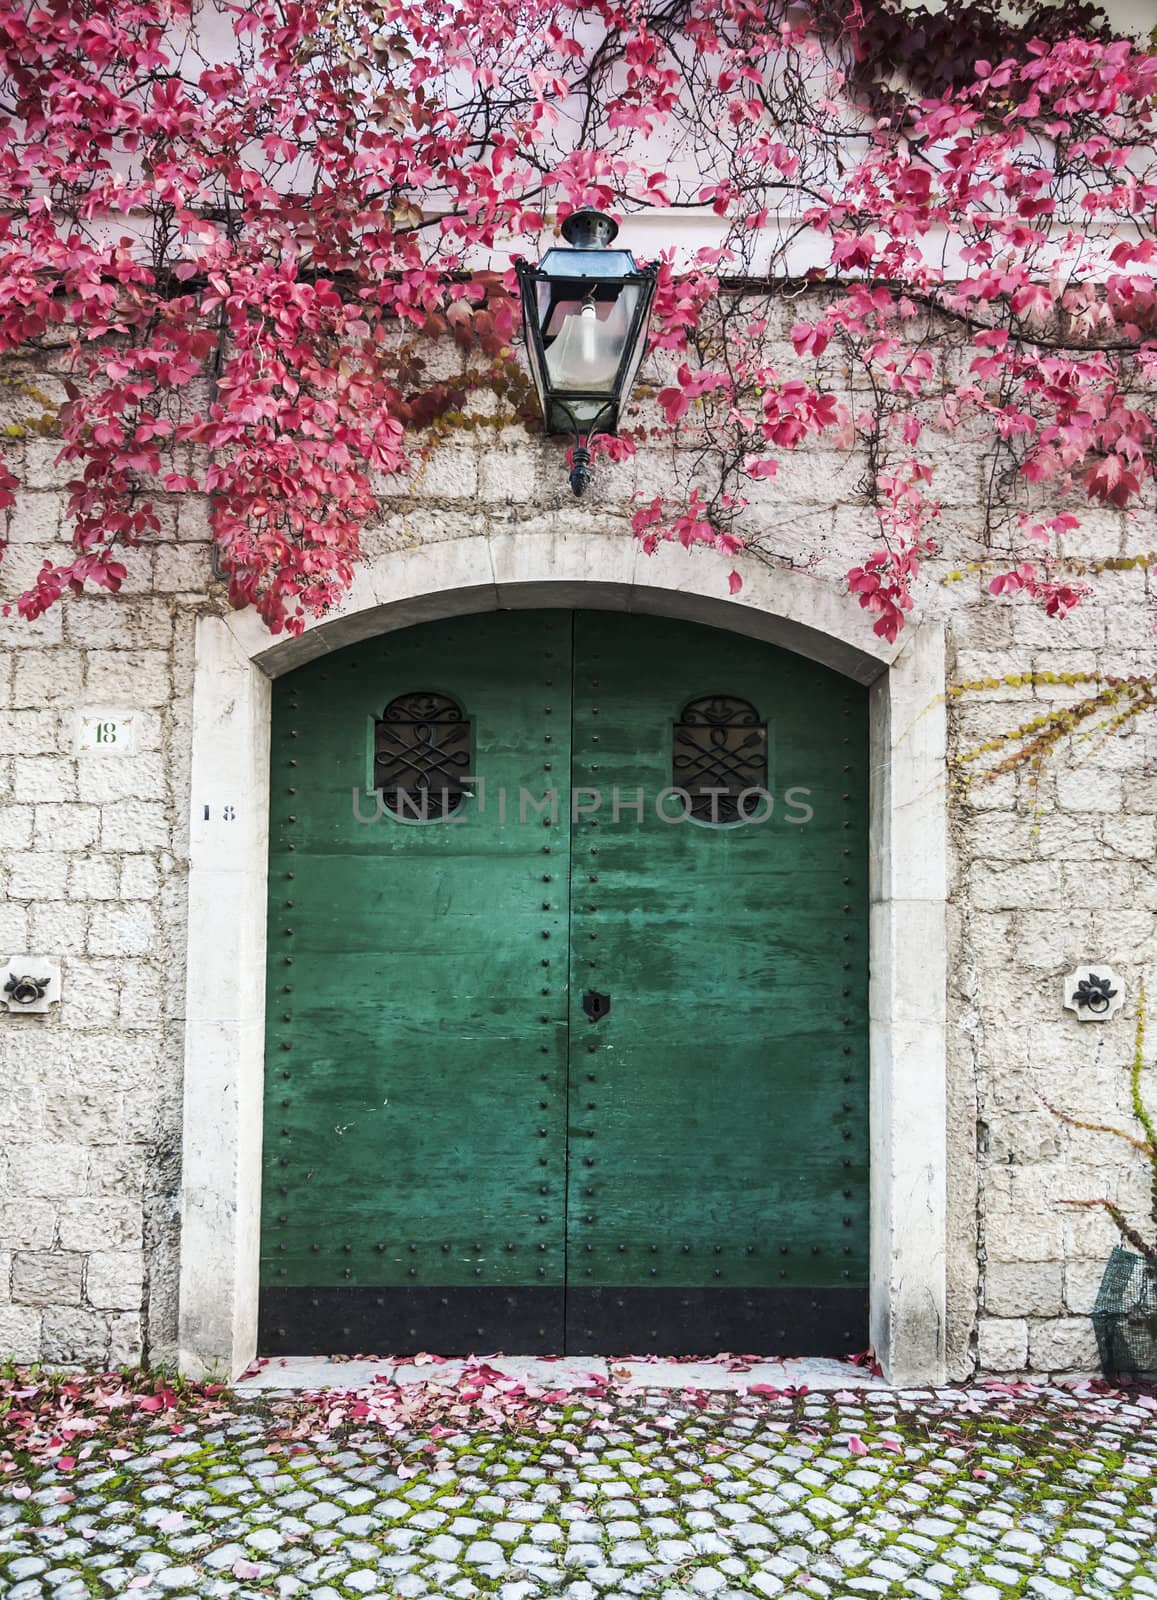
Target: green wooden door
(556, 1073)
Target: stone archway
(236, 659)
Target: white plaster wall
(93, 856)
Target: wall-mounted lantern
(585, 312)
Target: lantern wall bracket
(580, 454)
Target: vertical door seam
(568, 822)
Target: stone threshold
(309, 1373)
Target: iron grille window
(720, 753)
(421, 756)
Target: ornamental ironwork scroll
(719, 755)
(422, 756)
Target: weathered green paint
(723, 1101)
(410, 1076)
(434, 1112)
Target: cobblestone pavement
(984, 1493)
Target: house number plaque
(109, 733)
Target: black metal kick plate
(688, 1322)
(554, 1321)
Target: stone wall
(92, 867)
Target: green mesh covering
(1125, 1317)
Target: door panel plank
(417, 1020)
(719, 1111)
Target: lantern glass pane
(638, 350)
(532, 351)
(586, 352)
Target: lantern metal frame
(589, 271)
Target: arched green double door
(567, 1004)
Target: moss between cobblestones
(1025, 1487)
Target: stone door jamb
(235, 661)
